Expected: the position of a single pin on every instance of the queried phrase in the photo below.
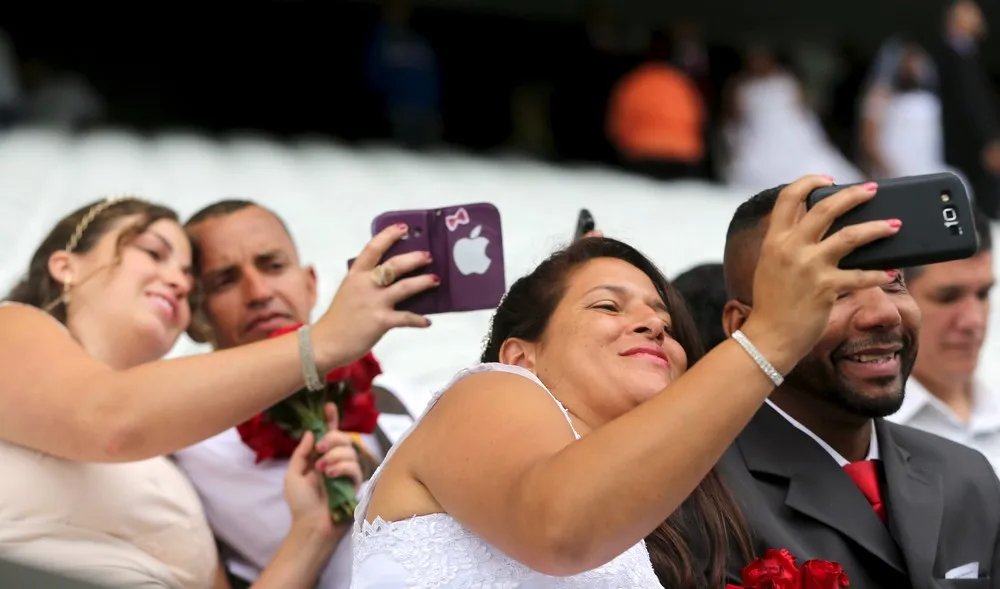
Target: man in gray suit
(818, 472)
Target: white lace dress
(435, 551)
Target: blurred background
(659, 117)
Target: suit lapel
(915, 504)
(817, 486)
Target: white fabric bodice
(436, 552)
(130, 524)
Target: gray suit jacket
(942, 499)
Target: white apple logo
(469, 253)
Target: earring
(67, 285)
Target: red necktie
(865, 475)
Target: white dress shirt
(246, 508)
(872, 447)
(922, 410)
(245, 502)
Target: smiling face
(608, 343)
(135, 292)
(866, 353)
(251, 276)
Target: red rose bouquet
(777, 570)
(276, 432)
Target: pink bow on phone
(460, 217)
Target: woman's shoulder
(494, 370)
(484, 382)
(15, 316)
(498, 389)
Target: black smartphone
(936, 211)
(584, 224)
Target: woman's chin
(661, 374)
(158, 339)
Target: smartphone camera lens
(416, 232)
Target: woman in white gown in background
(771, 134)
(550, 463)
(901, 132)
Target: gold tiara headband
(78, 232)
(94, 212)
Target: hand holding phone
(936, 212)
(466, 246)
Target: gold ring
(383, 275)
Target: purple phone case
(466, 242)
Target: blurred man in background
(943, 395)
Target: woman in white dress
(582, 431)
(771, 133)
(901, 133)
(88, 414)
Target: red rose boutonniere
(822, 574)
(777, 570)
(276, 432)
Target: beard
(821, 377)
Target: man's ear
(199, 330)
(61, 267)
(518, 352)
(311, 285)
(734, 315)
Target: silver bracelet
(308, 361)
(759, 358)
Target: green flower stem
(339, 490)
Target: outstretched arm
(58, 399)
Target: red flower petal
(775, 570)
(266, 439)
(823, 574)
(283, 330)
(359, 413)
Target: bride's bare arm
(511, 472)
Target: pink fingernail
(320, 464)
(322, 446)
(827, 178)
(427, 256)
(401, 226)
(895, 223)
(871, 186)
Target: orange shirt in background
(657, 113)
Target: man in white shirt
(252, 282)
(943, 395)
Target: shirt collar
(985, 406)
(872, 447)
